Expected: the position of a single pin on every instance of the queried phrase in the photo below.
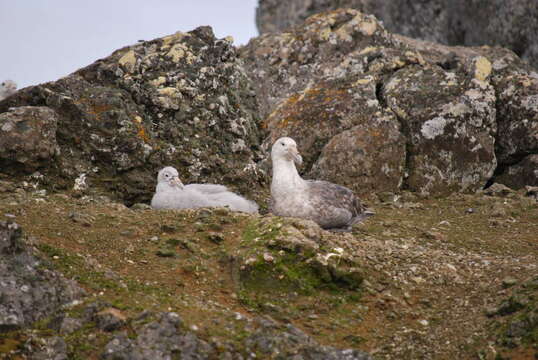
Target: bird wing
(179, 199)
(338, 204)
(207, 188)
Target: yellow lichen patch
(159, 81)
(344, 33)
(138, 119)
(367, 50)
(168, 91)
(229, 39)
(526, 82)
(398, 62)
(415, 57)
(277, 112)
(128, 60)
(368, 26)
(482, 68)
(376, 67)
(180, 51)
(178, 36)
(325, 33)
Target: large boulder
(29, 291)
(450, 122)
(512, 24)
(182, 100)
(27, 138)
(378, 112)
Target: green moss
(74, 267)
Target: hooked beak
(175, 182)
(295, 156)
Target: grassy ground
(434, 270)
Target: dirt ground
(437, 271)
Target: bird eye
(166, 175)
(282, 144)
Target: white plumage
(330, 205)
(7, 88)
(172, 194)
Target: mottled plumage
(330, 205)
(172, 194)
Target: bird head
(8, 85)
(286, 148)
(170, 176)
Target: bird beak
(175, 182)
(295, 156)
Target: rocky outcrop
(511, 24)
(282, 256)
(182, 100)
(29, 291)
(370, 110)
(379, 112)
(166, 338)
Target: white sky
(43, 40)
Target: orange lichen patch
(314, 104)
(142, 133)
(94, 109)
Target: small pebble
(508, 282)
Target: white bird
(331, 206)
(172, 194)
(7, 88)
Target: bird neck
(285, 176)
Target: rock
(532, 191)
(183, 99)
(517, 109)
(83, 219)
(521, 174)
(27, 138)
(511, 305)
(70, 325)
(158, 340)
(52, 348)
(140, 206)
(508, 282)
(497, 210)
(355, 156)
(511, 24)
(451, 119)
(499, 190)
(167, 336)
(216, 238)
(165, 253)
(110, 319)
(288, 342)
(29, 290)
